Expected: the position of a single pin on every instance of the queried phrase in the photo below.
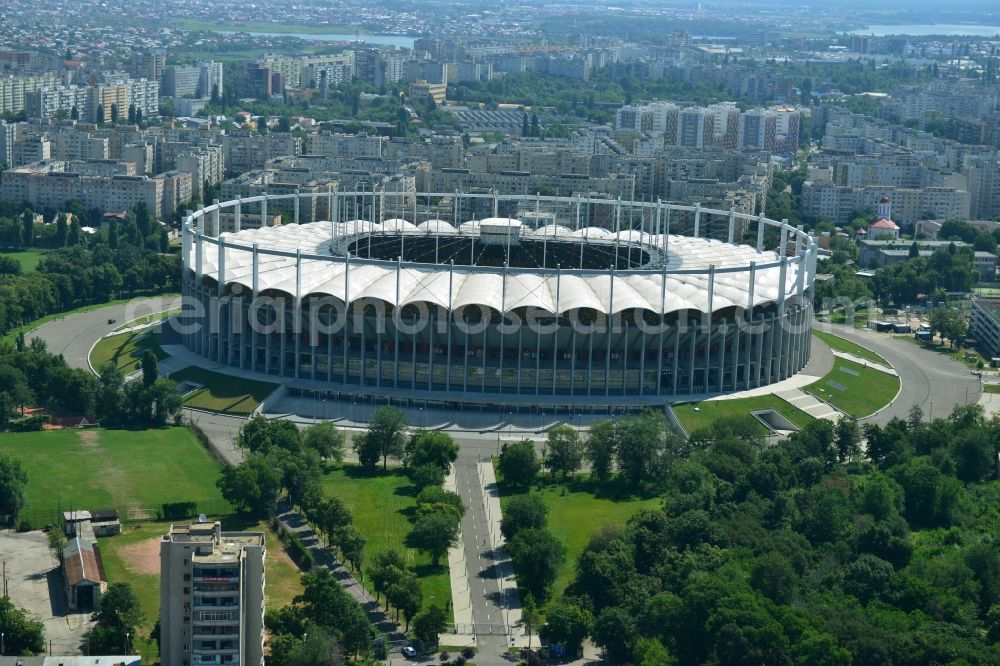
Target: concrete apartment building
(211, 596)
(107, 185)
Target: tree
(24, 635)
(772, 575)
(950, 324)
(567, 624)
(387, 433)
(384, 567)
(537, 556)
(367, 450)
(118, 616)
(847, 436)
(650, 652)
(615, 633)
(325, 603)
(530, 615)
(424, 476)
(325, 439)
(433, 498)
(429, 625)
(138, 117)
(143, 221)
(352, 545)
(13, 482)
(150, 371)
(430, 447)
(131, 114)
(100, 114)
(317, 647)
(252, 486)
(435, 533)
(518, 463)
(523, 512)
(332, 515)
(406, 594)
(564, 450)
(114, 114)
(74, 113)
(600, 449)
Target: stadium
(458, 299)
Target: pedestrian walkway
(811, 405)
(864, 361)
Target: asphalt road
(74, 335)
(929, 379)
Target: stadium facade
(513, 300)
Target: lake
(399, 41)
(923, 29)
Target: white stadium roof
(484, 286)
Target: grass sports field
(855, 389)
(694, 416)
(95, 468)
(222, 393)
(382, 503)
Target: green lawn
(382, 504)
(840, 344)
(991, 388)
(222, 393)
(576, 513)
(29, 259)
(694, 416)
(95, 468)
(855, 389)
(123, 554)
(125, 350)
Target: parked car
(409, 652)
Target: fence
(37, 517)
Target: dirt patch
(89, 438)
(143, 557)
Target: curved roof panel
(553, 291)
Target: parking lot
(35, 583)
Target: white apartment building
(328, 144)
(839, 203)
(49, 185)
(14, 88)
(211, 596)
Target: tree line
(815, 550)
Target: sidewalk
(461, 595)
(864, 361)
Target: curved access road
(75, 334)
(933, 381)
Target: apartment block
(211, 596)
(50, 184)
